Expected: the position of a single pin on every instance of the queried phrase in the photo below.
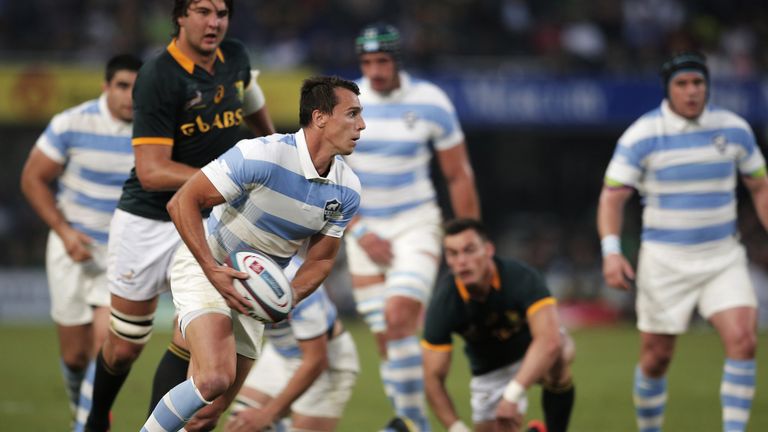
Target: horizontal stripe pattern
(96, 153)
(393, 154)
(273, 204)
(686, 173)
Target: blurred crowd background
(539, 178)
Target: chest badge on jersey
(332, 210)
(410, 119)
(195, 102)
(219, 94)
(720, 142)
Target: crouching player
(507, 317)
(307, 369)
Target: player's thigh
(729, 288)
(139, 255)
(667, 292)
(416, 261)
(74, 287)
(327, 396)
(194, 296)
(487, 389)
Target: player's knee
(741, 344)
(402, 316)
(213, 383)
(655, 360)
(76, 359)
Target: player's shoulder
(724, 118)
(347, 176)
(234, 51)
(518, 273)
(646, 126)
(70, 117)
(425, 91)
(272, 146)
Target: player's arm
(377, 248)
(314, 360)
(758, 189)
(321, 254)
(610, 218)
(437, 364)
(184, 208)
(454, 163)
(538, 360)
(255, 111)
(38, 174)
(157, 171)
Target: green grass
(33, 397)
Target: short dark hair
(180, 8)
(317, 93)
(459, 225)
(121, 62)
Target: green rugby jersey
(495, 331)
(179, 104)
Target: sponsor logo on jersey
(219, 94)
(332, 210)
(222, 120)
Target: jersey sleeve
(533, 291)
(232, 173)
(446, 130)
(751, 161)
(438, 324)
(626, 165)
(53, 142)
(154, 108)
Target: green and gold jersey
(179, 104)
(495, 331)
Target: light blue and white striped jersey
(276, 199)
(312, 317)
(686, 172)
(392, 156)
(95, 150)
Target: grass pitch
(33, 398)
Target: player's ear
(319, 118)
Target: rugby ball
(267, 288)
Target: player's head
(378, 48)
(202, 23)
(686, 83)
(330, 106)
(468, 251)
(119, 77)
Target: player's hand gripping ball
(266, 289)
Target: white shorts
(486, 391)
(327, 396)
(416, 237)
(194, 295)
(139, 255)
(671, 283)
(75, 286)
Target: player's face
(204, 25)
(381, 70)
(119, 94)
(343, 126)
(469, 257)
(688, 94)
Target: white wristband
(459, 426)
(358, 230)
(610, 245)
(514, 392)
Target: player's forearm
(185, 214)
(610, 211)
(302, 379)
(42, 200)
(167, 175)
(260, 123)
(309, 276)
(464, 199)
(760, 201)
(440, 401)
(539, 358)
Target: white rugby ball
(267, 288)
